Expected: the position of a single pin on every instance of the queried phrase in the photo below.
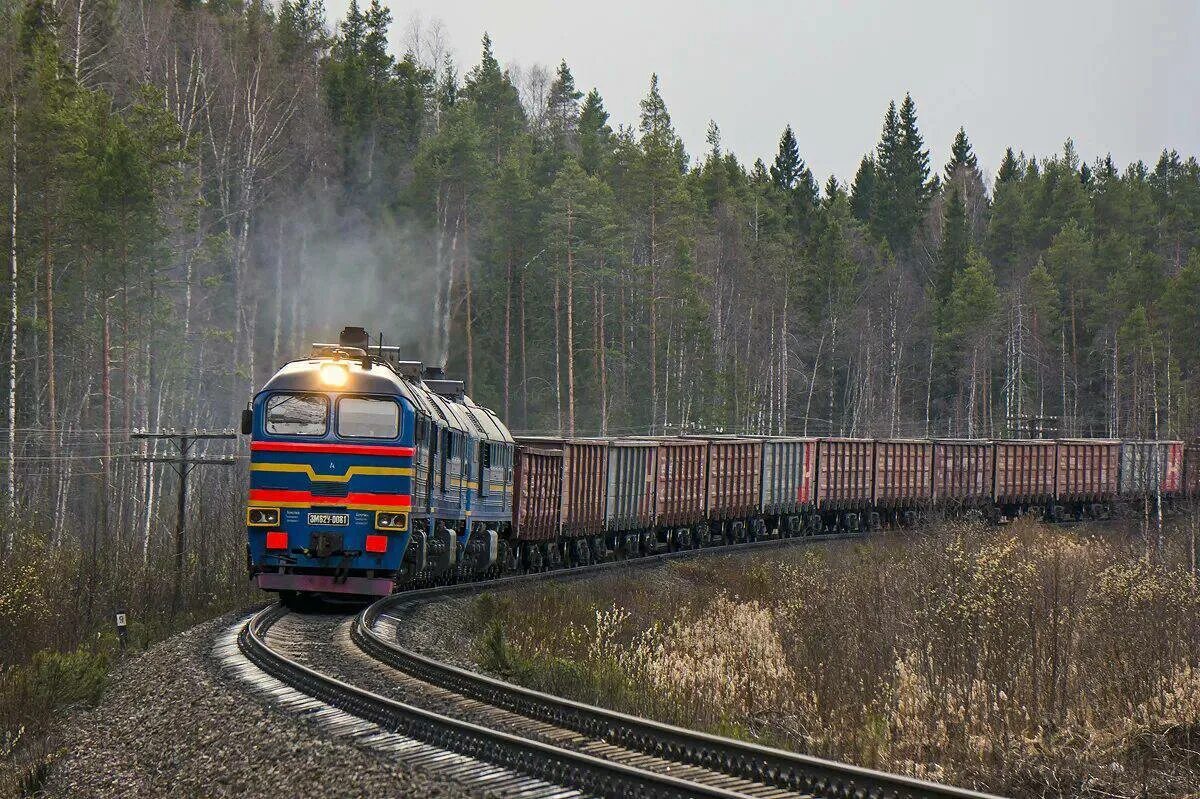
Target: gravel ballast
(171, 723)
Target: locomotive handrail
(767, 765)
(595, 775)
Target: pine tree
(595, 135)
(562, 106)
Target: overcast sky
(1119, 77)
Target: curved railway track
(517, 741)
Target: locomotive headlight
(262, 517)
(386, 520)
(334, 375)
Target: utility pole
(182, 464)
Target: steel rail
(769, 766)
(565, 767)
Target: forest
(195, 191)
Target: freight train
(369, 474)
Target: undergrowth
(1025, 660)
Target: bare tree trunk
(524, 361)
(466, 263)
(812, 382)
(929, 388)
(278, 326)
(508, 287)
(12, 349)
(653, 321)
(603, 367)
(557, 358)
(106, 391)
(51, 383)
(570, 322)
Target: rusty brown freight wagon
(734, 478)
(903, 473)
(681, 482)
(963, 472)
(537, 492)
(789, 470)
(584, 468)
(632, 472)
(845, 473)
(1087, 469)
(1024, 472)
(1191, 471)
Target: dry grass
(1024, 660)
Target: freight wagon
(1086, 478)
(846, 483)
(903, 480)
(964, 474)
(789, 476)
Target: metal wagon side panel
(963, 472)
(632, 481)
(682, 476)
(1025, 471)
(788, 472)
(1087, 469)
(537, 493)
(734, 478)
(903, 473)
(845, 473)
(585, 465)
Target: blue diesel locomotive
(367, 472)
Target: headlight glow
(334, 375)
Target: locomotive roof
(305, 375)
(381, 378)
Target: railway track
(515, 741)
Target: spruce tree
(902, 180)
(955, 246)
(862, 191)
(1010, 168)
(595, 135)
(494, 101)
(795, 182)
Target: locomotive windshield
(363, 417)
(297, 415)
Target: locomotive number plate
(336, 519)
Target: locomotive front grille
(330, 490)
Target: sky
(1117, 77)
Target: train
(370, 474)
